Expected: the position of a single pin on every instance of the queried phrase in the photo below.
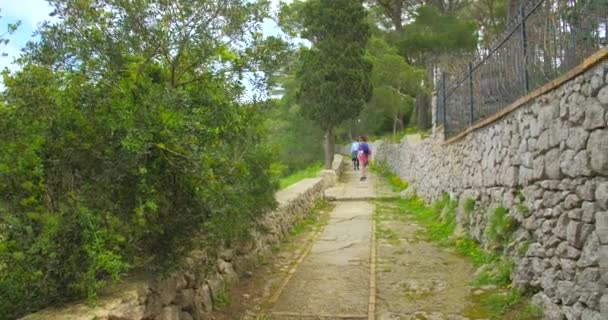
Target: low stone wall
(547, 162)
(190, 294)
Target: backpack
(365, 148)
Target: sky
(33, 12)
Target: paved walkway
(348, 273)
(333, 281)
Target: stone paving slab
(334, 278)
(352, 189)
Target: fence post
(524, 46)
(471, 102)
(445, 106)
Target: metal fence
(549, 38)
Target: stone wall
(190, 293)
(547, 162)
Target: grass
(394, 180)
(389, 137)
(469, 205)
(471, 250)
(511, 304)
(496, 272)
(317, 217)
(438, 219)
(495, 269)
(309, 172)
(222, 300)
(387, 234)
(500, 227)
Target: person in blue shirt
(354, 151)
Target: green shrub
(500, 226)
(113, 158)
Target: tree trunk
(329, 147)
(394, 126)
(513, 10)
(422, 110)
(397, 16)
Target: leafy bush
(119, 153)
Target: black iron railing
(549, 38)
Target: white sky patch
(31, 13)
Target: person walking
(354, 151)
(365, 153)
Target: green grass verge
(439, 221)
(394, 180)
(316, 218)
(309, 172)
(494, 269)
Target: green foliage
(221, 300)
(511, 304)
(309, 172)
(395, 82)
(469, 205)
(520, 205)
(315, 218)
(471, 249)
(497, 272)
(491, 17)
(433, 33)
(334, 75)
(394, 180)
(500, 226)
(493, 268)
(439, 219)
(125, 142)
(295, 138)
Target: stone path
(333, 281)
(368, 262)
(416, 279)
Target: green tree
(431, 35)
(124, 142)
(396, 83)
(334, 78)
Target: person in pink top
(365, 154)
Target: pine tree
(335, 75)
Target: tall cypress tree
(334, 75)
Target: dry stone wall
(202, 282)
(547, 162)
